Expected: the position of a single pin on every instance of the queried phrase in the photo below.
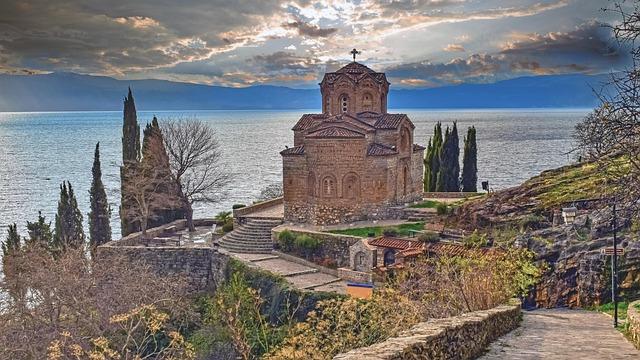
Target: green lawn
(402, 229)
(608, 309)
(426, 204)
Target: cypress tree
(11, 245)
(99, 216)
(427, 167)
(444, 156)
(470, 162)
(433, 158)
(68, 228)
(130, 159)
(39, 232)
(454, 176)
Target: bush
(442, 209)
(228, 226)
(238, 206)
(223, 217)
(286, 240)
(531, 222)
(391, 232)
(306, 242)
(476, 239)
(429, 237)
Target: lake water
(40, 150)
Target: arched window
(329, 186)
(367, 102)
(344, 103)
(389, 257)
(360, 261)
(351, 186)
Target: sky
(418, 43)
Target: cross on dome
(354, 52)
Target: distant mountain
(69, 91)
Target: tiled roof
(380, 150)
(307, 120)
(354, 68)
(450, 249)
(296, 150)
(389, 121)
(370, 118)
(394, 243)
(335, 132)
(417, 147)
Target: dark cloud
(116, 37)
(306, 29)
(589, 48)
(284, 61)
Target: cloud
(589, 49)
(291, 47)
(306, 29)
(454, 48)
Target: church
(354, 161)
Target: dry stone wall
(332, 246)
(455, 338)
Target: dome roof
(354, 68)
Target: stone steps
(253, 236)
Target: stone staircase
(419, 214)
(253, 236)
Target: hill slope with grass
(577, 274)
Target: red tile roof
(394, 243)
(380, 150)
(296, 150)
(389, 121)
(307, 120)
(335, 132)
(370, 118)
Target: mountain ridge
(76, 92)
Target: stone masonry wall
(633, 319)
(455, 338)
(333, 246)
(202, 267)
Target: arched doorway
(351, 186)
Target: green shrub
(429, 237)
(238, 206)
(476, 239)
(228, 226)
(442, 209)
(223, 217)
(391, 232)
(286, 240)
(531, 222)
(306, 242)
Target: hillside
(74, 92)
(577, 274)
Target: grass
(430, 204)
(608, 309)
(402, 229)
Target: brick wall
(461, 337)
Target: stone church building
(354, 161)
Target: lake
(40, 150)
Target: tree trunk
(189, 216)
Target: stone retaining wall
(460, 337)
(448, 195)
(333, 246)
(237, 213)
(633, 319)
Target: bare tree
(149, 189)
(196, 163)
(611, 134)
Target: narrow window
(345, 103)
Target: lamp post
(614, 267)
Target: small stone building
(354, 161)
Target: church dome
(354, 68)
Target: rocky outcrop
(633, 319)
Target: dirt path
(563, 334)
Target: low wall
(237, 213)
(449, 195)
(333, 246)
(633, 319)
(460, 337)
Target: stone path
(301, 276)
(563, 334)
